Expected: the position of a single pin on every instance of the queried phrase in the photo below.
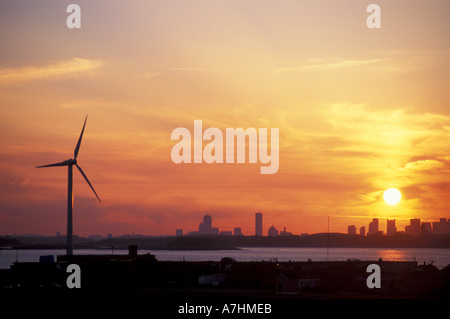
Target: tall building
(205, 227)
(391, 229)
(373, 227)
(442, 226)
(362, 231)
(258, 224)
(414, 227)
(351, 230)
(425, 228)
(207, 222)
(238, 231)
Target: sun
(392, 196)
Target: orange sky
(359, 110)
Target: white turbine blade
(77, 148)
(55, 164)
(85, 177)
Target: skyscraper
(205, 227)
(258, 224)
(414, 227)
(207, 222)
(362, 231)
(351, 230)
(391, 229)
(373, 226)
(425, 228)
(442, 226)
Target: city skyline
(359, 111)
(415, 228)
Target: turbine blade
(77, 148)
(55, 164)
(85, 177)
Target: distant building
(96, 237)
(258, 224)
(391, 229)
(414, 227)
(441, 227)
(373, 226)
(362, 231)
(285, 233)
(351, 230)
(425, 228)
(238, 231)
(179, 232)
(58, 233)
(205, 227)
(408, 229)
(273, 232)
(226, 233)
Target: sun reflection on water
(393, 255)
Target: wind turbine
(70, 163)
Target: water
(439, 257)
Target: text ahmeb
(213, 151)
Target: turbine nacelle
(71, 161)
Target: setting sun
(392, 196)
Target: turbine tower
(70, 163)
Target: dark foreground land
(271, 279)
(269, 289)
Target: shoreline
(332, 240)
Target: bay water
(439, 257)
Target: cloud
(206, 70)
(390, 124)
(90, 104)
(151, 75)
(404, 144)
(340, 63)
(328, 64)
(52, 71)
(423, 165)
